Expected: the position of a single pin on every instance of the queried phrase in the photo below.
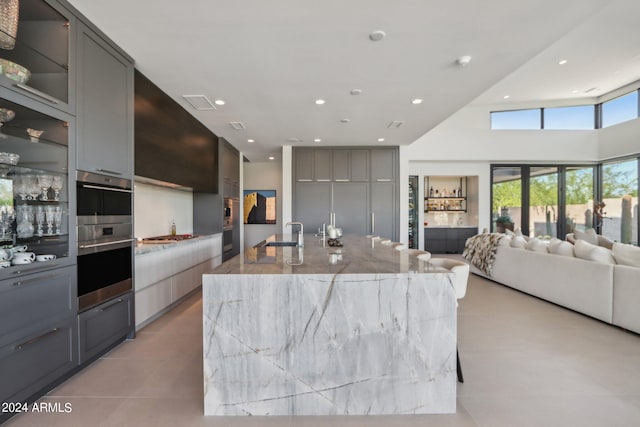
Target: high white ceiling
(271, 59)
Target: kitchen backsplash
(156, 207)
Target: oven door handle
(97, 245)
(98, 187)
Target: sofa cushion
(586, 250)
(605, 242)
(588, 235)
(536, 245)
(559, 247)
(626, 254)
(518, 242)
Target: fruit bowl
(14, 71)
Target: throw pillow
(586, 250)
(589, 236)
(536, 245)
(505, 240)
(605, 242)
(558, 247)
(518, 242)
(518, 232)
(626, 254)
(509, 232)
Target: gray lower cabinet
(38, 331)
(312, 204)
(103, 326)
(383, 209)
(447, 240)
(105, 107)
(350, 206)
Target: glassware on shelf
(56, 185)
(31, 187)
(25, 221)
(45, 183)
(50, 214)
(57, 217)
(39, 219)
(9, 12)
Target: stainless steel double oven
(105, 238)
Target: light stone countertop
(359, 255)
(147, 248)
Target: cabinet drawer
(36, 360)
(104, 325)
(30, 302)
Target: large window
(543, 202)
(516, 119)
(579, 191)
(620, 109)
(580, 117)
(619, 217)
(507, 198)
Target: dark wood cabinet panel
(447, 240)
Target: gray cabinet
(312, 204)
(38, 331)
(343, 184)
(105, 107)
(383, 165)
(230, 170)
(383, 209)
(447, 240)
(105, 325)
(350, 205)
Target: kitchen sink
(281, 243)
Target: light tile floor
(526, 363)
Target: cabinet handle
(304, 180)
(111, 305)
(32, 269)
(342, 180)
(383, 180)
(323, 180)
(96, 245)
(36, 92)
(34, 279)
(109, 171)
(36, 339)
(373, 222)
(99, 187)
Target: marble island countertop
(142, 248)
(349, 330)
(358, 255)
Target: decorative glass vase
(8, 23)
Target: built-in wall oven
(105, 238)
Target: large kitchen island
(321, 330)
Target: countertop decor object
(15, 71)
(9, 13)
(34, 134)
(363, 329)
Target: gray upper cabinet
(383, 165)
(303, 161)
(104, 107)
(322, 165)
(230, 170)
(359, 160)
(341, 165)
(43, 45)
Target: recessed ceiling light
(506, 96)
(416, 101)
(251, 141)
(355, 91)
(345, 120)
(463, 61)
(380, 139)
(319, 101)
(575, 91)
(317, 140)
(562, 62)
(219, 102)
(271, 157)
(377, 35)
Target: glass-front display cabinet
(34, 51)
(34, 202)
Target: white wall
(619, 140)
(263, 176)
(155, 207)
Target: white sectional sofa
(608, 292)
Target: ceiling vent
(199, 102)
(395, 124)
(294, 140)
(237, 125)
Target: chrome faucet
(300, 232)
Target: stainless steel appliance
(105, 238)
